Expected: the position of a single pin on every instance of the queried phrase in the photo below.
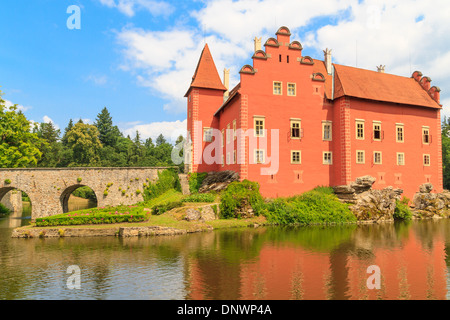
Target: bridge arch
(14, 202)
(65, 196)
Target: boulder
(429, 205)
(218, 181)
(368, 204)
(201, 214)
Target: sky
(137, 57)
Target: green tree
(85, 144)
(160, 140)
(68, 128)
(50, 147)
(108, 132)
(17, 142)
(446, 152)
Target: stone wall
(49, 189)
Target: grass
(318, 206)
(173, 219)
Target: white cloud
(129, 7)
(170, 130)
(47, 119)
(98, 80)
(403, 36)
(19, 107)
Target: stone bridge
(49, 189)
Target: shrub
(402, 211)
(240, 195)
(313, 207)
(94, 216)
(4, 209)
(105, 193)
(195, 181)
(200, 197)
(7, 181)
(79, 180)
(167, 180)
(164, 207)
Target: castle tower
(205, 96)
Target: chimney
(327, 60)
(381, 68)
(226, 83)
(258, 45)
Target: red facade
(294, 123)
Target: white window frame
(426, 129)
(375, 157)
(429, 160)
(205, 135)
(275, 85)
(402, 127)
(330, 124)
(299, 122)
(324, 160)
(374, 124)
(257, 159)
(299, 157)
(402, 163)
(289, 86)
(259, 118)
(361, 122)
(363, 156)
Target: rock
(192, 215)
(426, 188)
(368, 204)
(207, 214)
(363, 184)
(218, 181)
(201, 214)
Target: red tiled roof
(234, 92)
(206, 75)
(372, 85)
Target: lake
(266, 263)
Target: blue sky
(137, 57)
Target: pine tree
(108, 132)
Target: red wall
(411, 175)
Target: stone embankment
(367, 204)
(371, 205)
(123, 232)
(427, 205)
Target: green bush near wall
(195, 181)
(402, 211)
(4, 209)
(239, 195)
(318, 206)
(167, 180)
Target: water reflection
(265, 263)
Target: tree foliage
(18, 144)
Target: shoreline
(143, 229)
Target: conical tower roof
(206, 75)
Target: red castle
(294, 123)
